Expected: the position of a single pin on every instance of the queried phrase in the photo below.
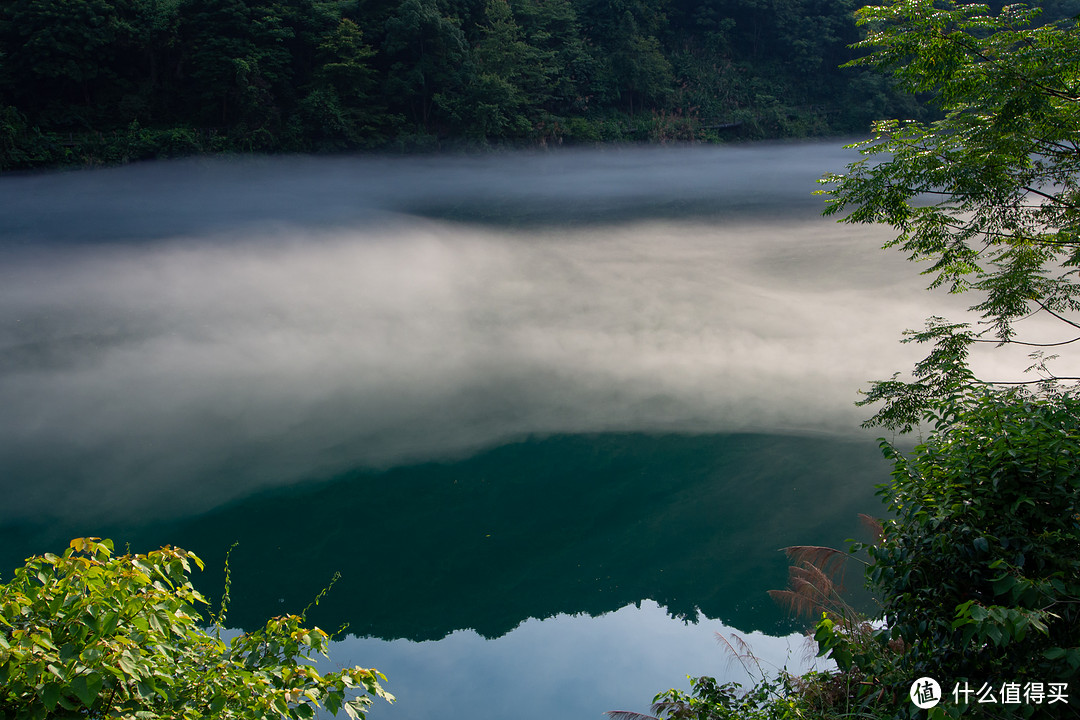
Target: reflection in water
(483, 389)
(567, 524)
(562, 667)
(135, 375)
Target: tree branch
(1065, 320)
(1026, 344)
(1055, 378)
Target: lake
(550, 415)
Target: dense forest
(113, 80)
(108, 80)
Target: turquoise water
(558, 525)
(552, 417)
(563, 574)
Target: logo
(925, 692)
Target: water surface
(517, 401)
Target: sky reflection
(567, 667)
(569, 356)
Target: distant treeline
(115, 80)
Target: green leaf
(86, 688)
(333, 702)
(354, 709)
(128, 664)
(50, 694)
(1004, 585)
(69, 704)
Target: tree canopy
(975, 567)
(988, 194)
(116, 80)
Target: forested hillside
(115, 80)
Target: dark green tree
(640, 72)
(429, 59)
(977, 568)
(513, 79)
(988, 194)
(236, 63)
(553, 29)
(338, 110)
(979, 572)
(623, 37)
(150, 62)
(61, 56)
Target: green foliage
(88, 634)
(326, 75)
(770, 699)
(979, 571)
(776, 695)
(337, 111)
(66, 54)
(941, 375)
(567, 71)
(638, 70)
(989, 193)
(430, 61)
(20, 144)
(512, 77)
(237, 59)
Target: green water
(550, 417)
(565, 524)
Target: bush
(710, 700)
(90, 635)
(23, 145)
(979, 572)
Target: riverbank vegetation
(110, 81)
(90, 634)
(977, 566)
(105, 81)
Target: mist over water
(177, 334)
(550, 415)
(563, 188)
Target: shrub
(979, 571)
(90, 635)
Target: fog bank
(173, 335)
